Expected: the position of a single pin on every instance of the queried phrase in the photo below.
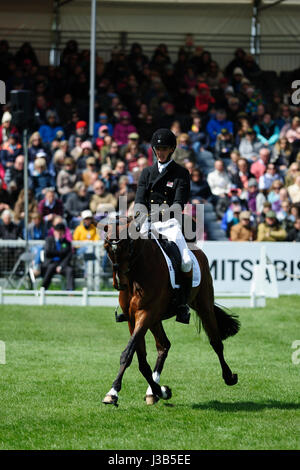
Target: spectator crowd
(238, 134)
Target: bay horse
(141, 275)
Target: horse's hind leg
(162, 345)
(156, 390)
(205, 309)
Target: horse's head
(118, 245)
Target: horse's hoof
(166, 392)
(110, 400)
(151, 399)
(231, 380)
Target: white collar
(162, 166)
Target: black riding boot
(120, 317)
(183, 311)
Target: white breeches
(171, 230)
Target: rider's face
(162, 153)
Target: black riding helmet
(163, 138)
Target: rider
(166, 182)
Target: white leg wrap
(156, 378)
(113, 392)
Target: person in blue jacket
(216, 124)
(48, 131)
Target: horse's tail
(228, 323)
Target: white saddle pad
(196, 269)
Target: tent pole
(92, 67)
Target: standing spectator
(58, 257)
(294, 234)
(270, 230)
(242, 232)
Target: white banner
(231, 265)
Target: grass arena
(58, 363)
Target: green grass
(61, 361)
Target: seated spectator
(273, 194)
(282, 153)
(8, 229)
(270, 230)
(109, 179)
(58, 257)
(292, 172)
(184, 151)
(86, 230)
(267, 131)
(50, 206)
(200, 190)
(51, 129)
(294, 233)
(123, 128)
(102, 133)
(232, 168)
(232, 214)
(285, 216)
(10, 150)
(224, 146)
(243, 231)
(218, 180)
(249, 146)
(112, 156)
(133, 140)
(198, 137)
(294, 190)
(41, 179)
(259, 167)
(81, 133)
(66, 178)
(131, 157)
(290, 129)
(19, 207)
(78, 201)
(6, 127)
(101, 196)
(81, 162)
(90, 174)
(216, 124)
(35, 145)
(269, 177)
(125, 190)
(103, 121)
(58, 219)
(204, 99)
(15, 173)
